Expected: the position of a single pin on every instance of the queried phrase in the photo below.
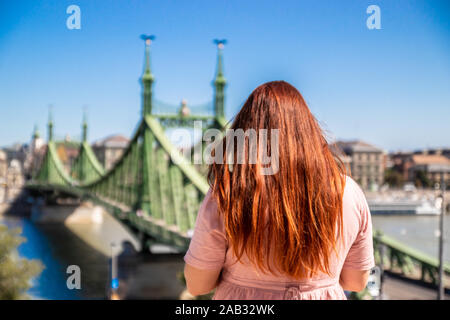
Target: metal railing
(396, 256)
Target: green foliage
(421, 180)
(393, 178)
(15, 272)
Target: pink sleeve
(360, 255)
(208, 246)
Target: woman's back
(241, 280)
(285, 213)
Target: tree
(422, 180)
(16, 273)
(393, 178)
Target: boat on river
(404, 206)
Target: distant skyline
(388, 87)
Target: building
(423, 167)
(17, 151)
(433, 166)
(35, 154)
(11, 177)
(436, 151)
(340, 154)
(67, 151)
(110, 149)
(366, 162)
(14, 180)
(3, 172)
(3, 164)
(401, 163)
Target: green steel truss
(86, 167)
(152, 188)
(52, 171)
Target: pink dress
(209, 250)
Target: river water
(420, 232)
(88, 246)
(58, 247)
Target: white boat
(404, 206)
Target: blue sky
(390, 87)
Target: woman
(303, 232)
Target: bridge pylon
(52, 170)
(219, 84)
(86, 167)
(146, 145)
(147, 78)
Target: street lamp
(114, 277)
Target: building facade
(401, 163)
(11, 178)
(14, 180)
(110, 149)
(366, 163)
(425, 168)
(3, 172)
(433, 166)
(35, 155)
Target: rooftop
(357, 146)
(113, 141)
(426, 159)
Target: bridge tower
(84, 127)
(48, 170)
(36, 133)
(82, 169)
(219, 82)
(147, 78)
(86, 167)
(50, 124)
(146, 154)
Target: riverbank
(18, 208)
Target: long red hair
(290, 219)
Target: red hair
(291, 218)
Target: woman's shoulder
(208, 212)
(350, 183)
(354, 201)
(353, 191)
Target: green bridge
(156, 191)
